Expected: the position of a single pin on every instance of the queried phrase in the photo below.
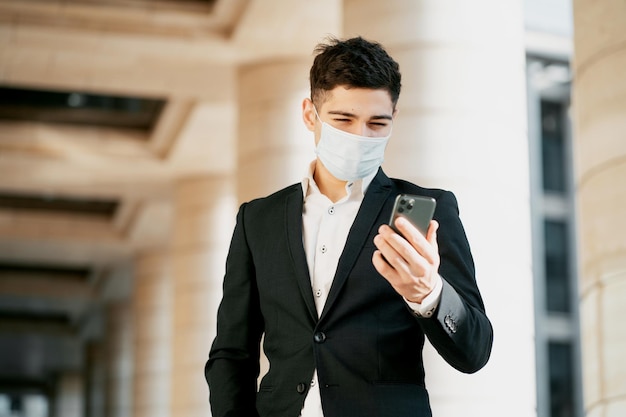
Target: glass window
(556, 266)
(552, 146)
(561, 380)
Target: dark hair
(354, 62)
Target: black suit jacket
(366, 345)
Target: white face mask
(347, 156)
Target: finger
(416, 241)
(431, 236)
(432, 239)
(401, 256)
(383, 267)
(411, 233)
(386, 247)
(426, 245)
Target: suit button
(450, 323)
(301, 388)
(319, 337)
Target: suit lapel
(373, 201)
(296, 249)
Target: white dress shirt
(325, 230)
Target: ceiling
(104, 105)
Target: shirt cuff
(429, 304)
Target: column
(204, 219)
(599, 98)
(94, 375)
(119, 359)
(274, 147)
(152, 305)
(69, 395)
(462, 126)
(36, 405)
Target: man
(344, 302)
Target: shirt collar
(310, 187)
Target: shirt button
(323, 249)
(312, 382)
(331, 210)
(318, 293)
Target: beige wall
(463, 100)
(600, 145)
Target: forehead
(361, 101)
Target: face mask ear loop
(316, 114)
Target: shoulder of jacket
(410, 188)
(276, 196)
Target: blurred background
(130, 130)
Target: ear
(308, 114)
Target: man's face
(359, 111)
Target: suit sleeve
(460, 330)
(233, 365)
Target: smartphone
(417, 209)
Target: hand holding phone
(418, 210)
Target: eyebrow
(348, 114)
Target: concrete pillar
(35, 405)
(119, 359)
(152, 304)
(274, 147)
(599, 99)
(95, 379)
(204, 220)
(69, 395)
(462, 126)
